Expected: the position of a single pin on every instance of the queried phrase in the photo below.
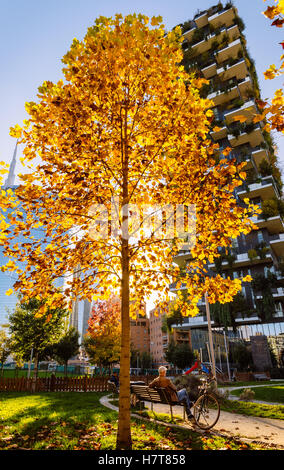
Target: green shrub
(247, 395)
(252, 254)
(190, 383)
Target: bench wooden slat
(159, 395)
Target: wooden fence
(60, 384)
(55, 384)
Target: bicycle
(206, 408)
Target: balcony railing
(228, 51)
(266, 187)
(235, 68)
(247, 134)
(224, 15)
(274, 224)
(277, 244)
(259, 154)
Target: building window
(260, 238)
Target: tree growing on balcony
(125, 133)
(262, 286)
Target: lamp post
(228, 365)
(30, 363)
(210, 337)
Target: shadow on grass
(54, 420)
(77, 421)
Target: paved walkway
(235, 397)
(248, 428)
(270, 431)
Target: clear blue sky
(35, 34)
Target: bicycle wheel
(206, 411)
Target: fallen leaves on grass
(55, 435)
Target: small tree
(67, 347)
(242, 356)
(145, 360)
(170, 351)
(5, 348)
(180, 355)
(33, 332)
(102, 341)
(183, 356)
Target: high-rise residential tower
(215, 48)
(7, 278)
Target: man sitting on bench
(177, 396)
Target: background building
(215, 48)
(159, 338)
(7, 278)
(140, 334)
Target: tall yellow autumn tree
(125, 131)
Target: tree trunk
(35, 374)
(124, 430)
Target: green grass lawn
(272, 393)
(253, 409)
(12, 373)
(248, 384)
(77, 421)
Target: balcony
(219, 134)
(245, 86)
(260, 154)
(277, 295)
(222, 96)
(274, 225)
(188, 34)
(201, 19)
(266, 189)
(238, 69)
(225, 16)
(277, 244)
(205, 44)
(230, 51)
(254, 137)
(242, 259)
(247, 109)
(182, 256)
(210, 70)
(194, 322)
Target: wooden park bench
(155, 395)
(260, 377)
(114, 388)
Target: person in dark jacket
(114, 378)
(177, 396)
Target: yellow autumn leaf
(16, 131)
(240, 118)
(271, 72)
